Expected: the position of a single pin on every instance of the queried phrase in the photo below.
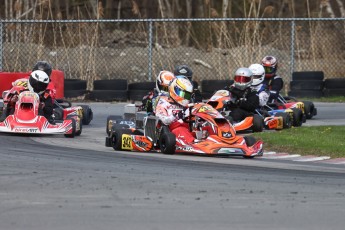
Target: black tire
(109, 95)
(258, 123)
(78, 133)
(167, 143)
(142, 86)
(74, 125)
(334, 92)
(307, 85)
(297, 120)
(286, 119)
(308, 76)
(75, 84)
(137, 95)
(75, 93)
(210, 86)
(309, 109)
(250, 140)
(87, 114)
(116, 138)
(112, 84)
(306, 93)
(113, 118)
(335, 83)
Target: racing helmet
(243, 78)
(258, 74)
(38, 81)
(270, 65)
(44, 66)
(163, 81)
(184, 70)
(180, 90)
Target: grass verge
(316, 140)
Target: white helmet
(243, 78)
(258, 73)
(38, 81)
(163, 81)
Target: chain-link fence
(138, 49)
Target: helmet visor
(257, 76)
(37, 85)
(269, 69)
(182, 93)
(242, 79)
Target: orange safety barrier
(57, 78)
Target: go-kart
(64, 109)
(26, 118)
(255, 123)
(307, 107)
(214, 134)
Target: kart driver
(244, 99)
(258, 85)
(184, 70)
(38, 82)
(163, 80)
(274, 82)
(173, 108)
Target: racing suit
(169, 112)
(46, 99)
(244, 104)
(275, 84)
(263, 93)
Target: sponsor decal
(185, 148)
(25, 130)
(127, 142)
(226, 134)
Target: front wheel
(258, 123)
(167, 143)
(297, 117)
(74, 127)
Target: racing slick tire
(116, 138)
(78, 133)
(250, 141)
(297, 117)
(87, 114)
(286, 119)
(74, 126)
(108, 128)
(167, 143)
(258, 123)
(309, 109)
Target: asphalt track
(80, 184)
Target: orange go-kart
(214, 134)
(255, 123)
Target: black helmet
(44, 66)
(184, 70)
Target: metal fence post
(292, 61)
(1, 44)
(150, 48)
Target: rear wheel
(167, 143)
(297, 117)
(116, 138)
(87, 114)
(258, 123)
(309, 109)
(113, 118)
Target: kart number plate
(127, 142)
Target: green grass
(340, 99)
(316, 140)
